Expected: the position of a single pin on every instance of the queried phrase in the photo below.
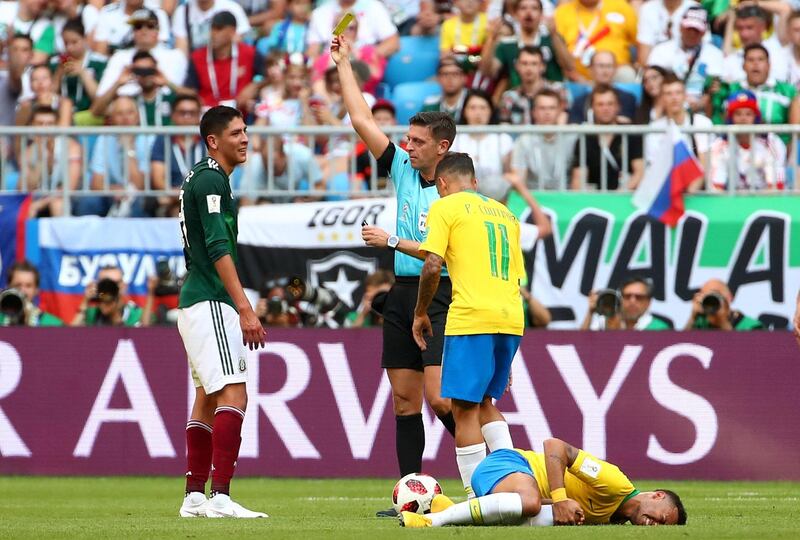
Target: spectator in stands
(659, 21)
(385, 115)
(589, 26)
(77, 70)
(516, 104)
(490, 152)
(294, 168)
(156, 94)
(48, 163)
(751, 23)
(777, 100)
(221, 70)
(119, 163)
(536, 314)
(452, 80)
(463, 34)
(30, 17)
(633, 309)
(366, 54)
(673, 95)
(66, 10)
(181, 151)
(604, 150)
(24, 278)
(500, 54)
(364, 316)
(274, 307)
(194, 33)
(712, 310)
(114, 27)
(379, 30)
(44, 93)
(268, 92)
(426, 22)
(170, 62)
(20, 58)
(264, 15)
(289, 35)
(651, 106)
(603, 69)
(542, 161)
(759, 160)
(105, 301)
(792, 49)
(293, 108)
(689, 57)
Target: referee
(411, 372)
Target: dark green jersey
(508, 50)
(72, 85)
(208, 227)
(131, 316)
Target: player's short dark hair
(74, 25)
(638, 279)
(441, 124)
(547, 92)
(755, 47)
(601, 89)
(142, 54)
(216, 119)
(23, 266)
(456, 163)
(531, 49)
(676, 501)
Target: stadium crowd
(154, 63)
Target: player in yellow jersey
(479, 240)
(562, 485)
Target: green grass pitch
(42, 507)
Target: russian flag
(660, 192)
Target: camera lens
(608, 302)
(711, 304)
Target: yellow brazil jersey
(455, 32)
(611, 26)
(479, 240)
(598, 486)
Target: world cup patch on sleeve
(213, 203)
(590, 467)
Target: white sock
(497, 435)
(494, 509)
(543, 519)
(467, 459)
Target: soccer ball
(414, 493)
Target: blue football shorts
(478, 365)
(497, 466)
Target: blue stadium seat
(409, 97)
(416, 60)
(635, 89)
(575, 91)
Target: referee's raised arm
(360, 113)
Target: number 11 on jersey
(491, 233)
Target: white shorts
(213, 340)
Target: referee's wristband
(558, 495)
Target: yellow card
(343, 24)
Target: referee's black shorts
(399, 348)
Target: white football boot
(194, 505)
(221, 506)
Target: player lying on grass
(516, 487)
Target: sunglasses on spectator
(635, 296)
(149, 26)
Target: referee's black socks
(410, 443)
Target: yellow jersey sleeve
(437, 235)
(598, 486)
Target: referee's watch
(393, 241)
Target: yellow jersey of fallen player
(479, 239)
(598, 486)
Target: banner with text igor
(659, 404)
(751, 242)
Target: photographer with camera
(105, 302)
(273, 308)
(17, 302)
(293, 302)
(625, 309)
(711, 310)
(368, 313)
(160, 306)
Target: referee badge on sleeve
(213, 203)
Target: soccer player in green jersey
(215, 319)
